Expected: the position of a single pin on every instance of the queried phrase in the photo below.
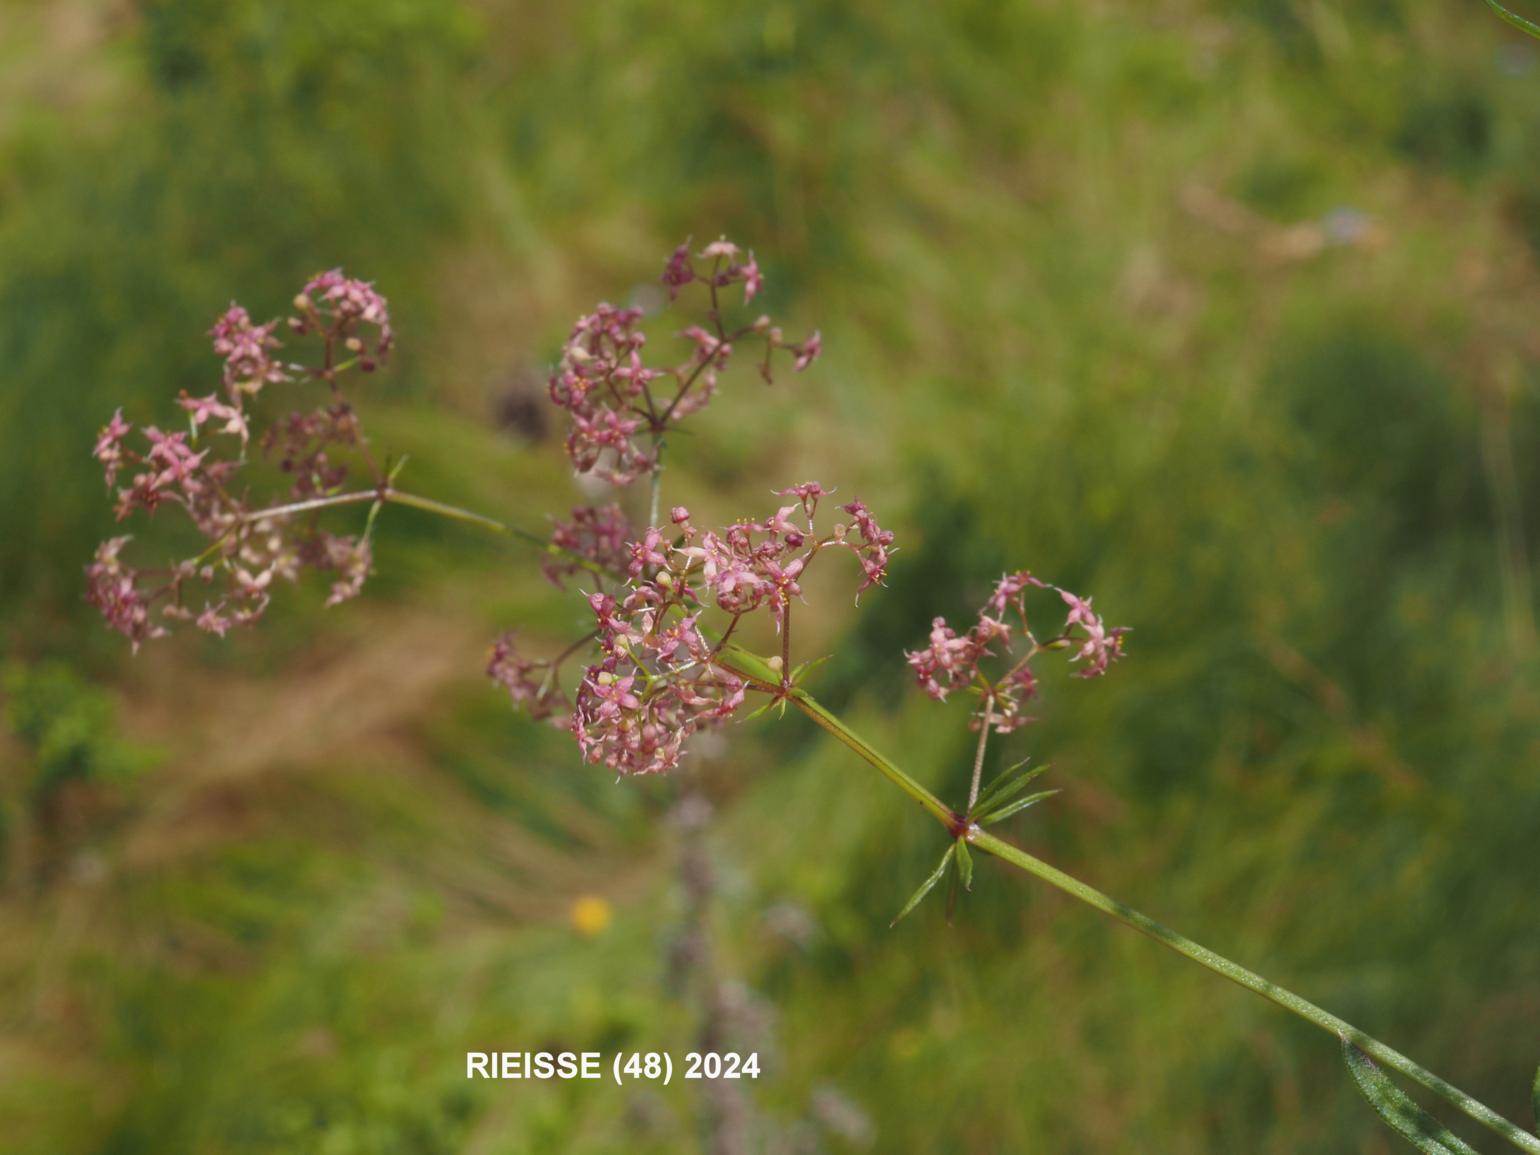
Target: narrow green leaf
(1399, 1112)
(374, 513)
(1515, 19)
(807, 668)
(1009, 782)
(964, 863)
(765, 709)
(927, 886)
(1020, 804)
(1535, 1092)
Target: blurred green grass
(1219, 311)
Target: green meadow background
(1225, 313)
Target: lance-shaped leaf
(964, 863)
(1515, 19)
(1010, 783)
(807, 668)
(1535, 1093)
(1012, 807)
(928, 885)
(1400, 1113)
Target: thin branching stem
(985, 723)
(1164, 935)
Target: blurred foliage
(1222, 312)
(68, 726)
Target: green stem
(757, 670)
(1515, 19)
(455, 513)
(428, 505)
(1253, 982)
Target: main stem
(1255, 983)
(759, 671)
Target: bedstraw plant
(278, 449)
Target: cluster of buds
(596, 540)
(531, 683)
(621, 408)
(954, 661)
(247, 547)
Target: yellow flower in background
(591, 915)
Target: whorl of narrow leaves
(999, 799)
(1399, 1112)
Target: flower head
(249, 546)
(621, 406)
(113, 588)
(248, 352)
(953, 661)
(348, 311)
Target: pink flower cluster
(953, 661)
(620, 407)
(248, 548)
(345, 312)
(759, 563)
(602, 382)
(658, 678)
(655, 685)
(248, 352)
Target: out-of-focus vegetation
(1223, 312)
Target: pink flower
(1100, 647)
(202, 409)
(678, 271)
(113, 588)
(753, 281)
(720, 249)
(343, 308)
(948, 662)
(808, 351)
(109, 446)
(247, 350)
(873, 548)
